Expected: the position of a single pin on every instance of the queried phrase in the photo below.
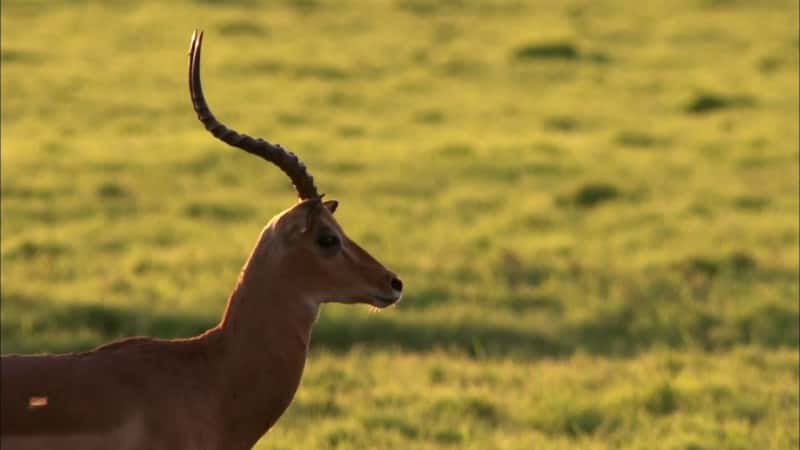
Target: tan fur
(221, 390)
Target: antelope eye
(328, 241)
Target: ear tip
(331, 205)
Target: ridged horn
(284, 159)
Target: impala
(225, 388)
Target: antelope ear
(331, 205)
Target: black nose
(397, 285)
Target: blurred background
(593, 206)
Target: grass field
(593, 206)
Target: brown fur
(222, 389)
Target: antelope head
(304, 245)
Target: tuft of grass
(320, 72)
(708, 102)
(17, 56)
(111, 190)
(242, 27)
(594, 194)
(547, 51)
(32, 250)
(432, 117)
(663, 400)
(639, 139)
(562, 123)
(751, 202)
(218, 211)
(455, 150)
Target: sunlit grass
(593, 206)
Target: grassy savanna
(593, 206)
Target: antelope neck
(260, 310)
(265, 333)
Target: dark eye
(328, 241)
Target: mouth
(380, 301)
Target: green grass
(593, 206)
